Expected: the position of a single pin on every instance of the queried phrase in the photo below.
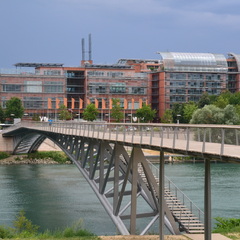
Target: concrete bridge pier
(6, 144)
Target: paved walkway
(215, 236)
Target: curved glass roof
(237, 57)
(194, 62)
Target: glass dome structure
(193, 62)
(237, 58)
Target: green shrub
(5, 232)
(4, 155)
(59, 157)
(227, 225)
(24, 226)
(76, 230)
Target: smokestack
(90, 47)
(83, 50)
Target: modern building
(233, 61)
(184, 77)
(173, 78)
(32, 86)
(44, 87)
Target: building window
(53, 87)
(95, 73)
(96, 88)
(32, 102)
(118, 88)
(115, 74)
(138, 90)
(33, 86)
(11, 88)
(52, 72)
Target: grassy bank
(230, 227)
(4, 155)
(59, 157)
(23, 228)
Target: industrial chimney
(89, 61)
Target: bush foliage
(24, 228)
(4, 155)
(227, 225)
(59, 157)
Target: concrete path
(215, 236)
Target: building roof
(237, 58)
(125, 60)
(114, 66)
(194, 62)
(36, 65)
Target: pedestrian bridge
(111, 159)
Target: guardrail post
(161, 196)
(236, 133)
(133, 132)
(204, 140)
(188, 139)
(174, 137)
(207, 201)
(151, 135)
(223, 137)
(161, 129)
(117, 132)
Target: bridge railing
(214, 139)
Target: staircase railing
(185, 200)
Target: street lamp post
(178, 117)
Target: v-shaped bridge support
(122, 180)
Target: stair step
(192, 222)
(196, 228)
(196, 231)
(189, 214)
(186, 218)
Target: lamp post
(178, 117)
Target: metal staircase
(185, 212)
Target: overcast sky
(50, 31)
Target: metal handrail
(211, 140)
(176, 191)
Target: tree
(36, 117)
(204, 100)
(146, 114)
(221, 101)
(2, 115)
(188, 110)
(116, 111)
(14, 108)
(90, 113)
(167, 116)
(177, 112)
(210, 114)
(64, 114)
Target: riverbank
(22, 159)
